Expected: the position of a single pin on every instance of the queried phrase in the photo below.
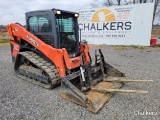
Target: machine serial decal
(33, 41)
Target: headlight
(58, 12)
(76, 15)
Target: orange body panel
(84, 49)
(16, 48)
(71, 62)
(58, 56)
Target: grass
(124, 47)
(119, 47)
(4, 44)
(138, 47)
(4, 39)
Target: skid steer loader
(48, 53)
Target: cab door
(42, 25)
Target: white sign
(120, 25)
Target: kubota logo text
(32, 41)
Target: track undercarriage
(33, 68)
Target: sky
(12, 11)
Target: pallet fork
(99, 82)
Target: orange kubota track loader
(49, 53)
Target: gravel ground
(20, 99)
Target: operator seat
(46, 28)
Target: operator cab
(57, 28)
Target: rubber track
(43, 65)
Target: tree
(2, 27)
(108, 3)
(156, 14)
(134, 1)
(119, 2)
(144, 1)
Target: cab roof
(53, 10)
